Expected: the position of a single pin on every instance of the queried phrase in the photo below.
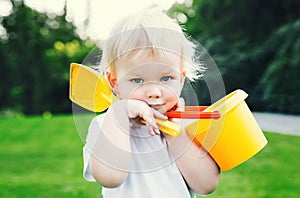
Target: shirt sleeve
(86, 168)
(93, 132)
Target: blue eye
(137, 80)
(166, 78)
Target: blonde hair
(153, 30)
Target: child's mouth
(156, 106)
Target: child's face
(152, 80)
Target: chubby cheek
(126, 91)
(171, 103)
(135, 95)
(171, 99)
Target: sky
(102, 13)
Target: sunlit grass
(271, 173)
(43, 158)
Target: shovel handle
(167, 127)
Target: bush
(281, 80)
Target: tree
(237, 35)
(236, 20)
(36, 59)
(281, 79)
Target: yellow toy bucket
(232, 139)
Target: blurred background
(255, 45)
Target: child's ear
(112, 80)
(182, 76)
(182, 71)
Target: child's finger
(151, 130)
(150, 121)
(151, 125)
(159, 115)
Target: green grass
(271, 173)
(43, 158)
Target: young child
(146, 61)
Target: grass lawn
(42, 158)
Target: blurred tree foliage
(255, 45)
(34, 58)
(281, 80)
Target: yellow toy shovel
(90, 90)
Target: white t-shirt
(153, 171)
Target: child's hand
(137, 108)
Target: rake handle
(194, 112)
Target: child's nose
(153, 91)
